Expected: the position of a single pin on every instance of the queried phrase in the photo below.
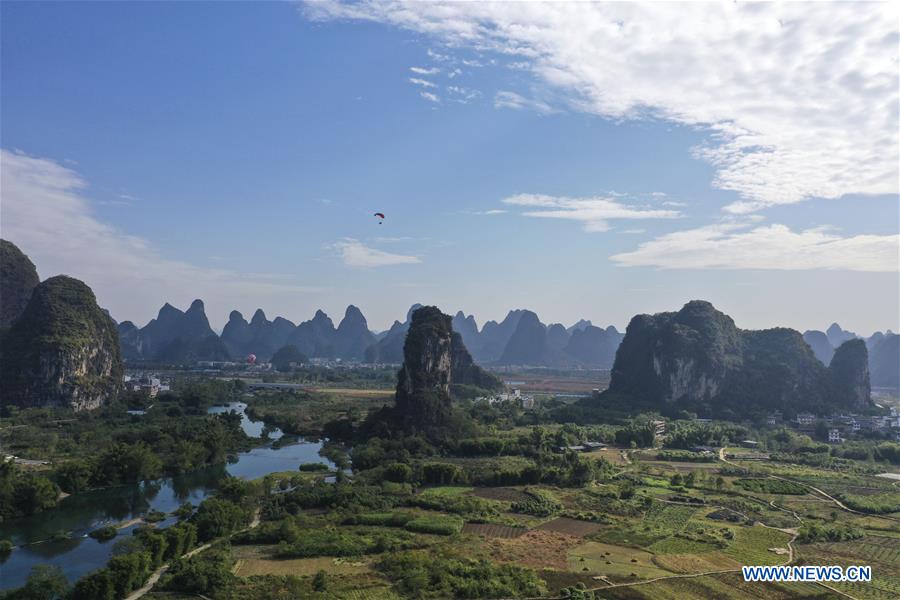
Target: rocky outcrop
(849, 372)
(389, 349)
(434, 359)
(18, 278)
(62, 351)
(464, 371)
(884, 361)
(495, 337)
(820, 345)
(315, 337)
(352, 336)
(528, 343)
(698, 359)
(837, 335)
(594, 347)
(260, 336)
(423, 383)
(175, 337)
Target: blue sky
(236, 152)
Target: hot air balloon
(251, 359)
(380, 217)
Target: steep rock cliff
(62, 351)
(18, 278)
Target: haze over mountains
(519, 339)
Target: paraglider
(380, 217)
(251, 359)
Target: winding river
(81, 513)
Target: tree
(677, 480)
(689, 479)
(45, 582)
(720, 483)
(320, 582)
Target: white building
(834, 436)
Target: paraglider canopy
(251, 359)
(380, 217)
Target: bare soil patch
(569, 526)
(490, 530)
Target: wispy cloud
(423, 82)
(431, 97)
(356, 254)
(492, 211)
(742, 246)
(425, 70)
(800, 99)
(46, 212)
(462, 95)
(594, 213)
(506, 99)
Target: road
(154, 577)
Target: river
(81, 513)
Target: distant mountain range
(883, 348)
(176, 336)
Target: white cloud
(674, 203)
(462, 95)
(634, 231)
(46, 212)
(425, 71)
(356, 254)
(423, 82)
(801, 99)
(505, 99)
(594, 213)
(430, 97)
(492, 211)
(737, 246)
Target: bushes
(424, 575)
(877, 504)
(217, 517)
(104, 534)
(685, 456)
(539, 504)
(813, 532)
(441, 474)
(393, 519)
(440, 525)
(470, 506)
(771, 486)
(206, 573)
(314, 467)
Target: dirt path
(154, 577)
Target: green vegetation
(771, 486)
(538, 503)
(424, 575)
(104, 533)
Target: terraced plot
(502, 494)
(490, 530)
(569, 526)
(617, 562)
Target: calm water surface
(79, 514)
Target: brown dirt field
(493, 531)
(537, 549)
(572, 527)
(500, 493)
